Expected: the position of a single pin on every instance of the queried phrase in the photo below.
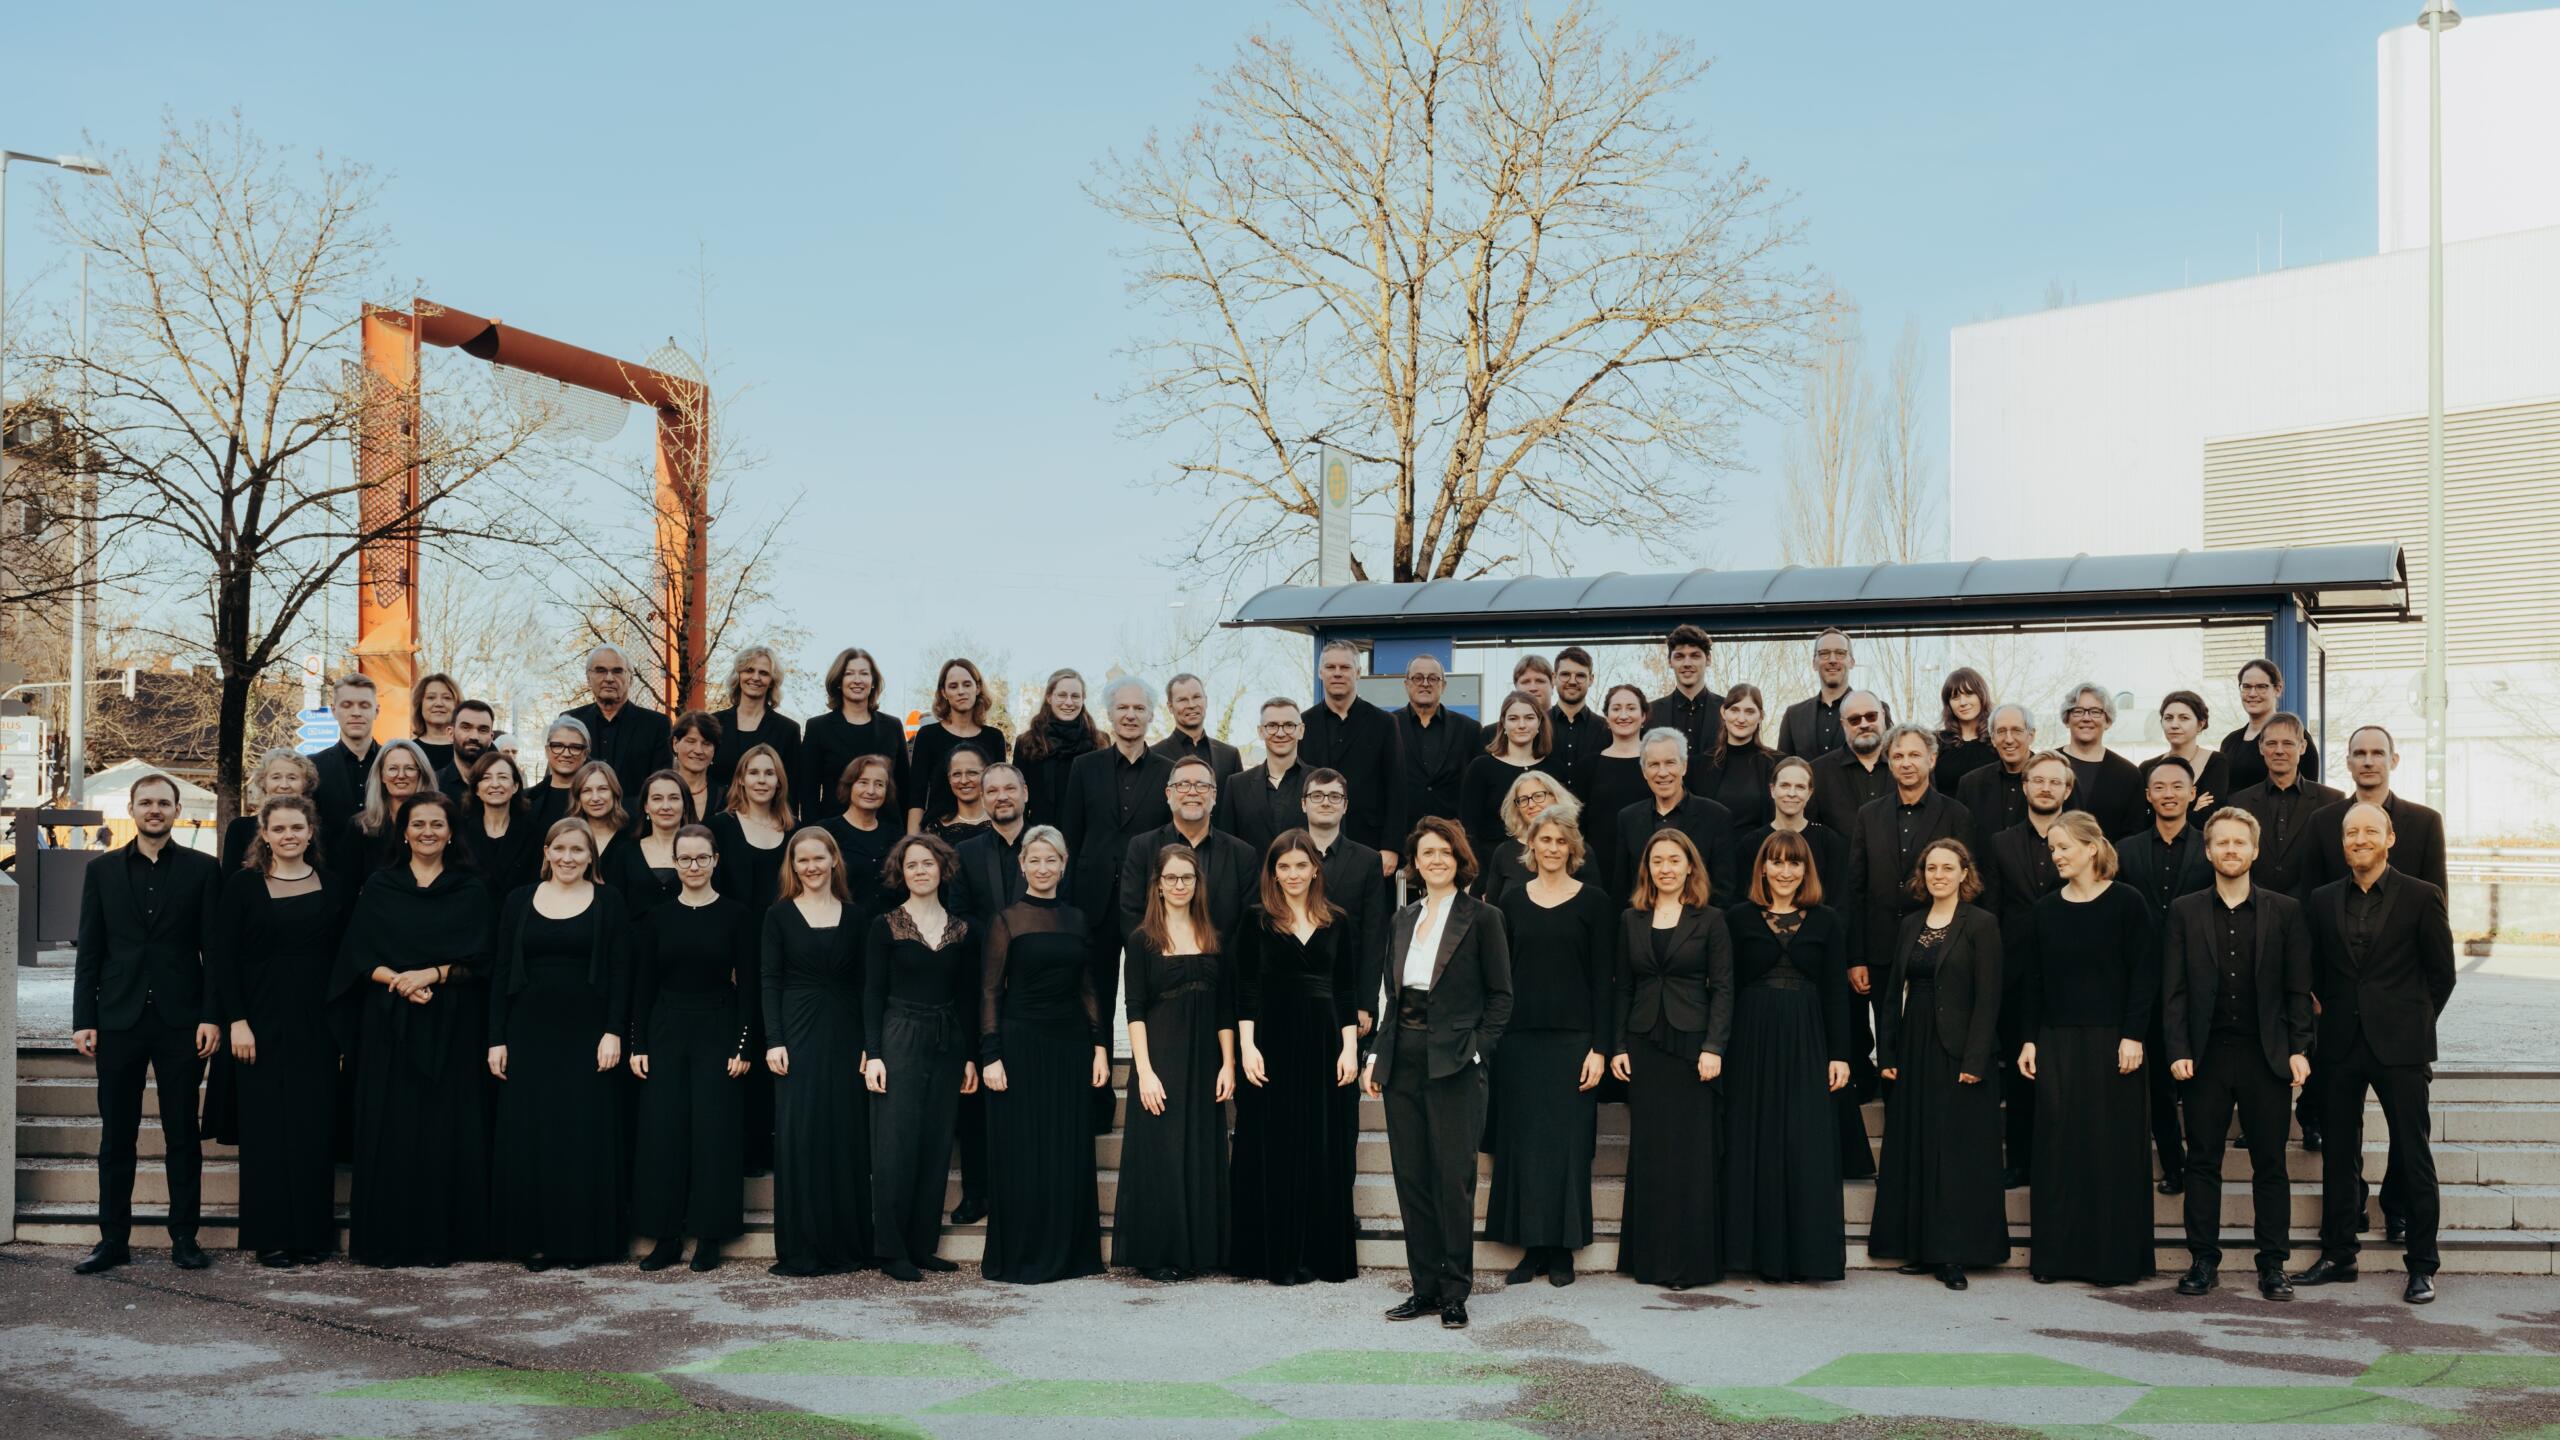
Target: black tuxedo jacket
(2417, 841)
(1098, 830)
(990, 877)
(1363, 745)
(1708, 825)
(1968, 991)
(2293, 867)
(2140, 857)
(1231, 875)
(1995, 799)
(1842, 787)
(1690, 989)
(1879, 887)
(1796, 728)
(126, 958)
(2394, 997)
(1224, 759)
(2191, 978)
(1433, 790)
(1255, 811)
(1354, 883)
(1470, 988)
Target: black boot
(1532, 1260)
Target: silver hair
(1046, 835)
(1928, 737)
(1111, 693)
(1664, 735)
(2071, 700)
(608, 648)
(573, 725)
(1332, 645)
(2025, 716)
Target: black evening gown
(1543, 1126)
(812, 984)
(560, 986)
(1616, 783)
(1292, 1203)
(1038, 1015)
(920, 1018)
(752, 875)
(269, 958)
(1672, 1234)
(2093, 978)
(1782, 1202)
(421, 1188)
(692, 1006)
(1173, 1167)
(1938, 1199)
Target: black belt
(1780, 982)
(1413, 1007)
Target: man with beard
(632, 738)
(1849, 778)
(2261, 701)
(1256, 805)
(1230, 872)
(1349, 734)
(1187, 700)
(2109, 787)
(1996, 795)
(2017, 872)
(475, 727)
(990, 878)
(2288, 860)
(1433, 742)
(1812, 726)
(1580, 733)
(1708, 825)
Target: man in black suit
(2017, 872)
(1691, 708)
(1347, 733)
(475, 728)
(1112, 795)
(989, 879)
(140, 1008)
(1256, 805)
(345, 766)
(1812, 727)
(1434, 744)
(1996, 795)
(1187, 700)
(632, 738)
(2162, 861)
(1353, 882)
(2382, 952)
(1849, 778)
(1580, 733)
(1230, 873)
(1885, 841)
(2288, 860)
(2236, 1019)
(2109, 786)
(1708, 825)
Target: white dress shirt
(1424, 951)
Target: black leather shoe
(1414, 1308)
(2173, 1183)
(102, 1257)
(969, 1211)
(275, 1259)
(1560, 1268)
(1912, 1269)
(1453, 1316)
(2421, 1289)
(2199, 1278)
(2325, 1271)
(1952, 1276)
(186, 1254)
(2395, 1228)
(2272, 1285)
(2311, 1138)
(662, 1255)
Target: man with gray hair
(1186, 699)
(1347, 733)
(1995, 795)
(1113, 795)
(1664, 756)
(634, 739)
(2109, 787)
(1845, 780)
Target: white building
(2291, 407)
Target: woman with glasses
(691, 1014)
(1172, 1220)
(964, 784)
(2261, 700)
(960, 704)
(749, 719)
(369, 840)
(565, 747)
(1535, 794)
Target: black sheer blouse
(1037, 968)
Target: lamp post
(2438, 17)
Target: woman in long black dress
(268, 958)
(559, 1001)
(1297, 1038)
(853, 726)
(409, 975)
(1172, 1222)
(866, 828)
(1964, 728)
(1938, 1201)
(693, 742)
(1674, 1019)
(2093, 976)
(498, 827)
(1546, 1078)
(959, 723)
(1516, 743)
(1532, 794)
(1740, 764)
(920, 967)
(370, 838)
(281, 771)
(812, 1019)
(1062, 730)
(1790, 1056)
(749, 836)
(691, 1012)
(642, 868)
(1042, 1052)
(750, 719)
(1617, 778)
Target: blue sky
(924, 309)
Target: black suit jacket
(1231, 875)
(2191, 978)
(126, 958)
(1224, 759)
(2392, 999)
(1879, 888)
(1363, 746)
(990, 877)
(1968, 991)
(1354, 881)
(2291, 868)
(2110, 789)
(1690, 990)
(1098, 830)
(1470, 988)
(2141, 856)
(1433, 789)
(1255, 811)
(1796, 728)
(1995, 799)
(1842, 787)
(2417, 841)
(1708, 825)
(637, 742)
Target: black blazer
(126, 957)
(1231, 876)
(2417, 841)
(2393, 999)
(2292, 867)
(1098, 831)
(1470, 988)
(1254, 810)
(1796, 727)
(1830, 861)
(2191, 978)
(1820, 949)
(2109, 788)
(1435, 789)
(990, 877)
(1968, 990)
(1879, 888)
(1690, 990)
(1842, 787)
(2140, 857)
(1364, 747)
(1224, 759)
(1708, 825)
(1995, 799)
(1356, 885)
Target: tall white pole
(2438, 15)
(75, 747)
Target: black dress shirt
(1842, 787)
(635, 742)
(1577, 738)
(1362, 745)
(1995, 796)
(1811, 727)
(1701, 718)
(2364, 918)
(2235, 967)
(342, 780)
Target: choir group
(543, 1005)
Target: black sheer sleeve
(877, 963)
(1085, 993)
(226, 999)
(991, 987)
(1245, 960)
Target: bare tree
(1901, 521)
(227, 291)
(1828, 451)
(1472, 249)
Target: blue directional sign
(317, 732)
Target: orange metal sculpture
(387, 451)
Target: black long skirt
(911, 1128)
(1044, 1214)
(1782, 1212)
(1672, 1233)
(1172, 1210)
(685, 1177)
(288, 1177)
(2091, 1212)
(1543, 1138)
(1289, 1214)
(559, 1148)
(1938, 1197)
(821, 1134)
(421, 1189)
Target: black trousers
(911, 1128)
(2310, 1109)
(1433, 1128)
(2232, 1075)
(2401, 1090)
(168, 1053)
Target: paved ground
(491, 1353)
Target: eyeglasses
(1324, 797)
(1193, 787)
(1181, 879)
(2255, 687)
(693, 859)
(1868, 717)
(1282, 727)
(2084, 712)
(1426, 680)
(557, 748)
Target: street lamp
(2438, 17)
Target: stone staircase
(2496, 1131)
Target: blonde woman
(370, 840)
(750, 718)
(281, 771)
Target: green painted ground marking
(2274, 1404)
(853, 1357)
(1951, 1372)
(600, 1389)
(1107, 1400)
(2472, 1372)
(770, 1425)
(1764, 1402)
(1392, 1430)
(2086, 1432)
(1377, 1367)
